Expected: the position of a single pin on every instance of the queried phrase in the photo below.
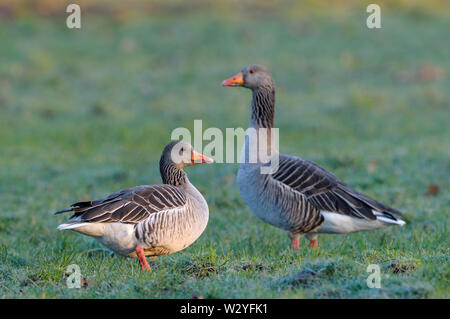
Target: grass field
(86, 113)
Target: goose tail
(70, 225)
(64, 211)
(387, 218)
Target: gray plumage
(162, 219)
(300, 197)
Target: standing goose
(300, 196)
(148, 220)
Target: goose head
(176, 156)
(181, 154)
(253, 77)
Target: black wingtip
(395, 211)
(63, 211)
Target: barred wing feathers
(325, 191)
(129, 206)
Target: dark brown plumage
(131, 205)
(325, 191)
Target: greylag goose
(300, 196)
(148, 220)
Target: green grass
(86, 113)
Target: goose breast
(172, 230)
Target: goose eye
(251, 71)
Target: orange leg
(295, 244)
(314, 243)
(142, 260)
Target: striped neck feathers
(172, 175)
(263, 106)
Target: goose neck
(263, 107)
(173, 175)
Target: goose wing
(325, 191)
(129, 206)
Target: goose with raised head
(299, 196)
(148, 220)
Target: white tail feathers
(70, 226)
(388, 218)
(335, 223)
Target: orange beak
(237, 80)
(198, 158)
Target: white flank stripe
(391, 221)
(70, 226)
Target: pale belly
(116, 236)
(250, 189)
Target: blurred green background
(84, 113)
